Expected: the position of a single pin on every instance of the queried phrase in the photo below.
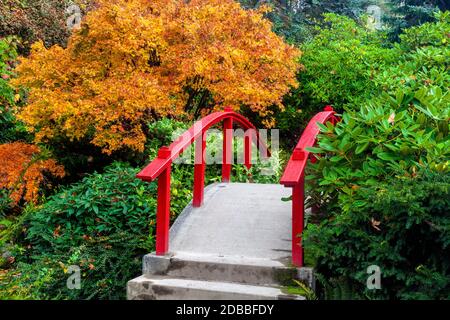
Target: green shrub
(99, 205)
(433, 34)
(401, 130)
(347, 66)
(8, 57)
(162, 133)
(295, 20)
(340, 63)
(401, 225)
(370, 174)
(103, 224)
(423, 62)
(26, 281)
(10, 128)
(5, 202)
(371, 144)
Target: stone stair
(226, 250)
(182, 276)
(185, 289)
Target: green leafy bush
(340, 63)
(10, 128)
(401, 225)
(8, 57)
(162, 133)
(422, 68)
(347, 66)
(371, 144)
(5, 202)
(102, 224)
(370, 174)
(433, 34)
(101, 204)
(402, 129)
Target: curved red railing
(294, 177)
(160, 167)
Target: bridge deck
(242, 221)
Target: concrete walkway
(237, 220)
(236, 246)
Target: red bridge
(233, 240)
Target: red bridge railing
(160, 167)
(294, 177)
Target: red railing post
(298, 209)
(199, 170)
(248, 149)
(163, 207)
(227, 148)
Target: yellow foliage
(132, 61)
(22, 170)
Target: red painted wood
(294, 168)
(298, 209)
(248, 150)
(294, 174)
(227, 154)
(154, 169)
(199, 170)
(163, 213)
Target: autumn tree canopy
(136, 60)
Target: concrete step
(170, 288)
(254, 271)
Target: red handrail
(160, 167)
(294, 177)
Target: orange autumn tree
(23, 169)
(137, 60)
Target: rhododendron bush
(134, 61)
